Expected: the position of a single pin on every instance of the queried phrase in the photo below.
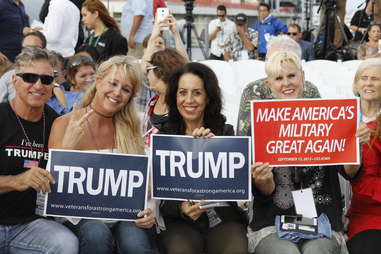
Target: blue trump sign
(213, 169)
(96, 185)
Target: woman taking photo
(105, 35)
(156, 41)
(194, 103)
(273, 186)
(364, 229)
(107, 122)
(371, 48)
(158, 71)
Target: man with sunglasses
(219, 30)
(295, 32)
(25, 123)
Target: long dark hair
(96, 5)
(213, 119)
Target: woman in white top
(107, 121)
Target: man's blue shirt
(270, 25)
(72, 98)
(13, 19)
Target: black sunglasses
(221, 16)
(294, 34)
(33, 78)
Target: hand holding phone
(161, 14)
(219, 27)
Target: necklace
(26, 135)
(99, 113)
(94, 42)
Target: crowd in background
(82, 82)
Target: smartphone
(161, 14)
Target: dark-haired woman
(105, 35)
(194, 101)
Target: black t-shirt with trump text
(17, 155)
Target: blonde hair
(274, 66)
(366, 64)
(126, 121)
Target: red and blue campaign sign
(212, 169)
(305, 131)
(96, 185)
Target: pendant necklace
(26, 135)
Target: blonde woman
(272, 186)
(107, 122)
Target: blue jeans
(40, 236)
(96, 237)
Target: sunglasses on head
(150, 67)
(293, 34)
(81, 60)
(33, 78)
